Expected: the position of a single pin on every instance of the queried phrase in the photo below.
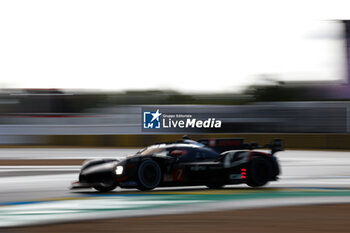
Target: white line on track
(73, 210)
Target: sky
(184, 45)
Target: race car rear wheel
(149, 175)
(106, 186)
(259, 172)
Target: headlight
(119, 170)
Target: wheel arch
(269, 157)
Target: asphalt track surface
(307, 177)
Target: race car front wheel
(106, 186)
(259, 172)
(149, 175)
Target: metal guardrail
(269, 117)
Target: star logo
(156, 115)
(151, 120)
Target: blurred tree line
(60, 101)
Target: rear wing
(276, 146)
(225, 144)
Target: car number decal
(179, 174)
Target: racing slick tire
(259, 172)
(106, 186)
(149, 175)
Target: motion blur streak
(305, 173)
(274, 117)
(34, 181)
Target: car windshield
(153, 150)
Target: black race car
(210, 162)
